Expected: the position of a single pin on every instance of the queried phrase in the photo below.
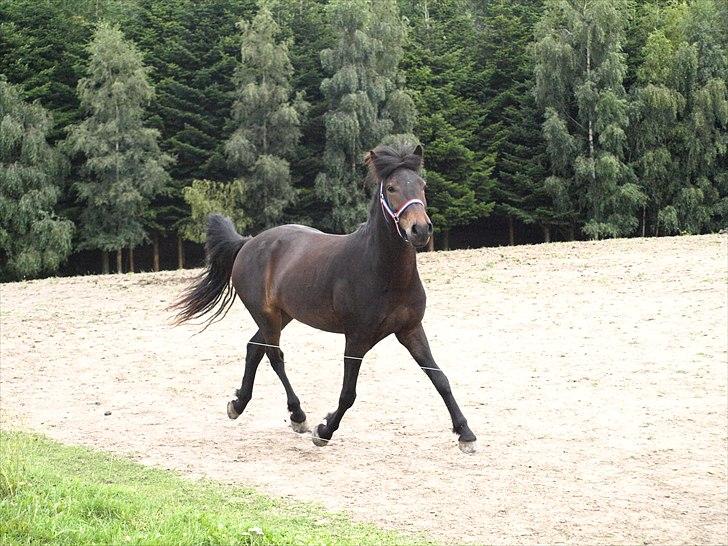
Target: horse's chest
(397, 314)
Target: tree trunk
(264, 127)
(591, 130)
(644, 219)
(131, 259)
(431, 243)
(119, 265)
(104, 262)
(546, 233)
(511, 234)
(572, 234)
(180, 253)
(446, 239)
(155, 251)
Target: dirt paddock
(594, 375)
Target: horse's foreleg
(253, 356)
(353, 355)
(415, 341)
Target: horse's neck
(394, 260)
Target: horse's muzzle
(419, 234)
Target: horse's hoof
(467, 447)
(231, 410)
(300, 427)
(317, 440)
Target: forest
(123, 123)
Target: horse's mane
(384, 160)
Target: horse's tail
(211, 291)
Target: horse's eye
(391, 189)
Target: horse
(364, 285)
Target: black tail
(211, 290)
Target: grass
(56, 494)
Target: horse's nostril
(429, 228)
(414, 229)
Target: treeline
(123, 123)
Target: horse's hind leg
(253, 357)
(298, 417)
(275, 355)
(266, 341)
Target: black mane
(384, 160)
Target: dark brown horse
(364, 285)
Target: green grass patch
(56, 494)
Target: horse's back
(289, 239)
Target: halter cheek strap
(396, 214)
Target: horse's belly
(311, 307)
(319, 321)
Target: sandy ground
(594, 375)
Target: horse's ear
(418, 151)
(369, 158)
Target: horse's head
(402, 190)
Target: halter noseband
(396, 214)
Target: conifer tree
(579, 77)
(190, 46)
(33, 239)
(267, 120)
(363, 75)
(511, 127)
(41, 48)
(440, 62)
(307, 26)
(123, 167)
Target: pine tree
(42, 48)
(190, 46)
(33, 239)
(267, 120)
(578, 80)
(307, 26)
(510, 128)
(440, 64)
(363, 76)
(123, 167)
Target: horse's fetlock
(325, 431)
(460, 427)
(297, 415)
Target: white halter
(396, 214)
